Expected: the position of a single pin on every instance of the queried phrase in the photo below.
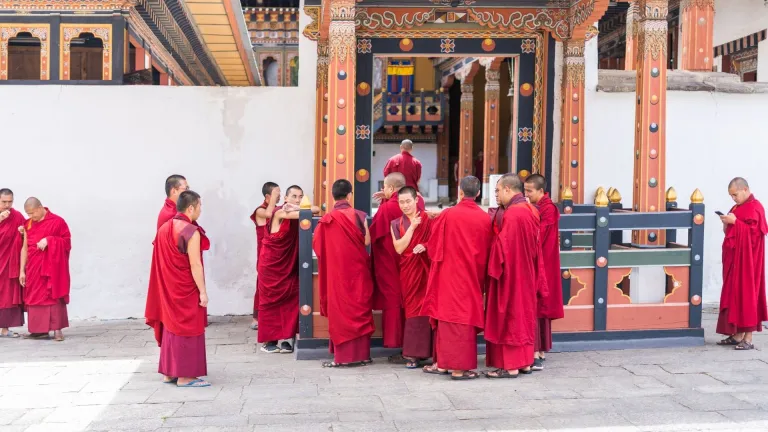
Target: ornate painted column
(650, 117)
(572, 144)
(631, 42)
(466, 76)
(340, 160)
(491, 125)
(698, 17)
(321, 120)
(444, 170)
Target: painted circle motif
(575, 96)
(341, 103)
(325, 162)
(575, 120)
(306, 310)
(493, 106)
(654, 127)
(696, 300)
(526, 89)
(488, 45)
(406, 44)
(652, 237)
(698, 219)
(653, 182)
(325, 96)
(340, 158)
(325, 118)
(575, 141)
(323, 206)
(652, 208)
(305, 224)
(655, 72)
(325, 141)
(342, 75)
(363, 89)
(702, 21)
(567, 242)
(362, 175)
(568, 210)
(602, 262)
(573, 184)
(524, 173)
(574, 163)
(341, 130)
(325, 184)
(566, 274)
(654, 100)
(654, 154)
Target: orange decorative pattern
(630, 51)
(40, 31)
(572, 144)
(679, 284)
(306, 310)
(579, 312)
(615, 295)
(321, 128)
(698, 17)
(67, 5)
(491, 128)
(466, 120)
(72, 31)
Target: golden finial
(599, 190)
(615, 196)
(601, 200)
(672, 195)
(306, 204)
(567, 194)
(697, 197)
(610, 191)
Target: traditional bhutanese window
(400, 76)
(740, 56)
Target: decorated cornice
(142, 30)
(312, 30)
(67, 5)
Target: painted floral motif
(363, 132)
(364, 46)
(528, 46)
(525, 134)
(447, 46)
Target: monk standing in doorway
(458, 248)
(175, 184)
(516, 275)
(405, 164)
(46, 291)
(344, 275)
(260, 218)
(742, 299)
(13, 256)
(550, 308)
(177, 297)
(410, 234)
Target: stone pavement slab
(104, 378)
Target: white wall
(426, 153)
(712, 137)
(735, 19)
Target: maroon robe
(46, 293)
(742, 299)
(166, 213)
(345, 284)
(516, 278)
(260, 230)
(173, 301)
(550, 308)
(11, 295)
(278, 282)
(407, 165)
(458, 248)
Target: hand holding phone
(719, 213)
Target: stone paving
(103, 378)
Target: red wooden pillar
(650, 117)
(631, 43)
(340, 162)
(443, 141)
(698, 17)
(572, 145)
(466, 119)
(321, 126)
(491, 124)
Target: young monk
(387, 294)
(516, 278)
(13, 256)
(260, 217)
(742, 299)
(46, 289)
(410, 234)
(278, 281)
(175, 184)
(177, 297)
(344, 274)
(550, 308)
(458, 248)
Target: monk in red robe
(278, 281)
(260, 217)
(552, 308)
(175, 184)
(344, 274)
(177, 298)
(742, 299)
(458, 247)
(387, 293)
(516, 278)
(405, 164)
(13, 256)
(46, 289)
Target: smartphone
(719, 213)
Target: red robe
(516, 278)
(173, 299)
(278, 282)
(742, 299)
(166, 213)
(344, 275)
(260, 230)
(552, 308)
(408, 166)
(414, 268)
(48, 270)
(11, 242)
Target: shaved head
(739, 183)
(396, 180)
(34, 209)
(511, 181)
(32, 203)
(406, 145)
(738, 189)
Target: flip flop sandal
(744, 346)
(466, 375)
(195, 383)
(10, 335)
(435, 371)
(500, 373)
(37, 336)
(525, 372)
(729, 341)
(331, 364)
(397, 359)
(412, 365)
(254, 326)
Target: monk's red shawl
(552, 308)
(414, 268)
(743, 293)
(260, 230)
(408, 166)
(344, 275)
(11, 242)
(458, 248)
(173, 299)
(48, 270)
(516, 277)
(166, 213)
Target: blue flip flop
(10, 335)
(195, 383)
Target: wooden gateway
(367, 51)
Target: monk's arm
(195, 262)
(402, 244)
(23, 258)
(262, 214)
(367, 234)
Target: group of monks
(34, 270)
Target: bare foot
(58, 336)
(192, 382)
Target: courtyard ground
(103, 377)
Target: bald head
(406, 145)
(739, 183)
(738, 189)
(34, 209)
(511, 181)
(393, 183)
(32, 203)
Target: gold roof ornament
(601, 200)
(615, 196)
(697, 197)
(599, 190)
(306, 204)
(671, 195)
(567, 194)
(610, 191)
